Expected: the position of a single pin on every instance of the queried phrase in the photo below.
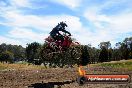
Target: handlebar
(66, 34)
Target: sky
(89, 21)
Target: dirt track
(54, 78)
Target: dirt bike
(59, 44)
(68, 46)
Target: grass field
(17, 66)
(122, 64)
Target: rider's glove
(69, 34)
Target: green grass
(126, 64)
(19, 66)
(3, 68)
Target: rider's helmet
(63, 24)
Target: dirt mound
(24, 78)
(53, 78)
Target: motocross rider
(55, 31)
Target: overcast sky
(89, 21)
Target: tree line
(11, 53)
(33, 53)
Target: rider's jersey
(57, 29)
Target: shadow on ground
(50, 84)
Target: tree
(85, 58)
(18, 51)
(110, 54)
(32, 52)
(2, 47)
(128, 42)
(107, 45)
(103, 55)
(123, 50)
(7, 56)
